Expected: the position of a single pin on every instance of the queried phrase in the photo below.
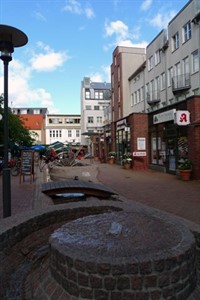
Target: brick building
(158, 121)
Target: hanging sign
(182, 117)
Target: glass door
(171, 155)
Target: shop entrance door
(171, 155)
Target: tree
(18, 134)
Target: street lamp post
(10, 37)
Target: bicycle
(16, 168)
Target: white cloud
(117, 28)
(146, 4)
(49, 60)
(39, 16)
(122, 35)
(21, 92)
(162, 19)
(75, 7)
(89, 13)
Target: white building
(63, 128)
(95, 100)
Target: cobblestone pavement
(158, 190)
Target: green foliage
(127, 158)
(112, 154)
(18, 134)
(185, 164)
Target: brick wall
(193, 105)
(139, 128)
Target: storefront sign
(164, 117)
(121, 124)
(182, 117)
(139, 153)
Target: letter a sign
(182, 117)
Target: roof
(100, 85)
(32, 122)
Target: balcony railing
(153, 97)
(181, 83)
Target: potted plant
(126, 161)
(111, 157)
(185, 169)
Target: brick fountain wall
(124, 256)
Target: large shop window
(122, 142)
(169, 144)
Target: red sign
(182, 117)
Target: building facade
(125, 61)
(165, 97)
(95, 102)
(34, 121)
(63, 128)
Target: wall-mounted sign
(182, 117)
(140, 153)
(164, 116)
(141, 143)
(121, 124)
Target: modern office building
(95, 100)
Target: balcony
(153, 97)
(181, 83)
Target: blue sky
(71, 39)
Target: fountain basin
(121, 255)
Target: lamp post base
(6, 193)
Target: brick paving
(158, 190)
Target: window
(118, 73)
(142, 93)
(175, 42)
(150, 63)
(157, 87)
(195, 61)
(55, 120)
(96, 107)
(162, 81)
(151, 88)
(98, 94)
(77, 133)
(187, 32)
(87, 94)
(69, 133)
(135, 98)
(138, 96)
(88, 107)
(36, 111)
(157, 57)
(132, 100)
(177, 73)
(147, 92)
(90, 120)
(186, 66)
(69, 120)
(99, 120)
(170, 76)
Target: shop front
(122, 139)
(168, 140)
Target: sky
(72, 39)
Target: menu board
(27, 163)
